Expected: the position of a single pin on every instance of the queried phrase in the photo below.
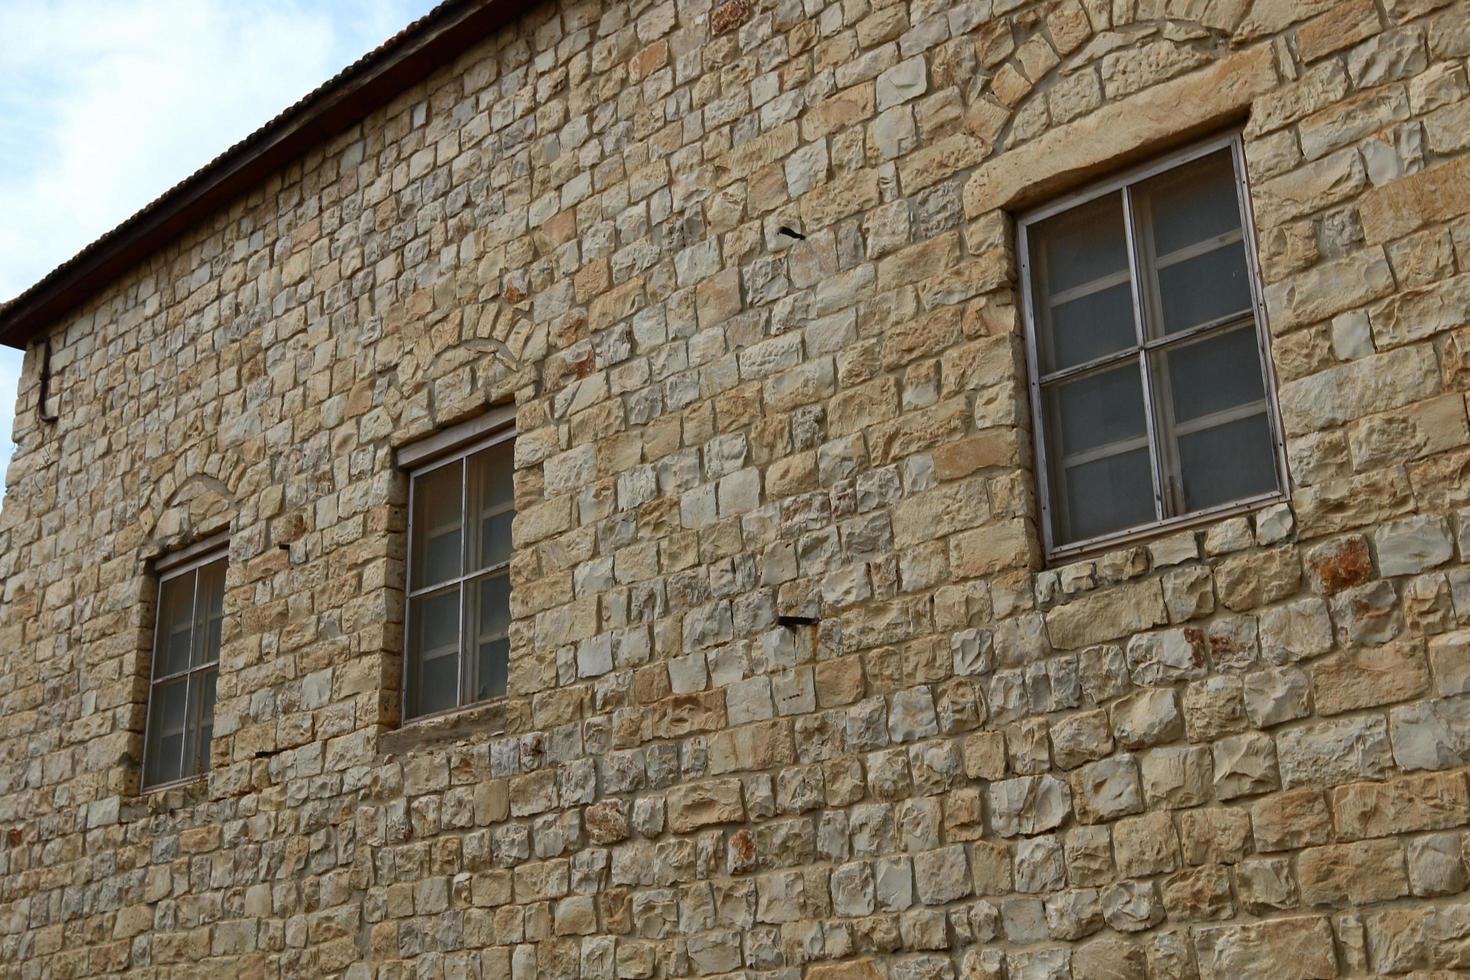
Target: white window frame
(1163, 521)
(187, 561)
(442, 449)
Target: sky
(105, 104)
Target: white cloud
(105, 104)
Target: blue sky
(105, 104)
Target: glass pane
(1108, 494)
(1228, 462)
(433, 652)
(1205, 288)
(437, 507)
(492, 505)
(487, 620)
(1097, 451)
(1192, 202)
(175, 613)
(1095, 410)
(1080, 284)
(209, 612)
(163, 753)
(494, 668)
(1213, 375)
(1189, 230)
(201, 721)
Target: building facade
(989, 496)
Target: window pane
(1228, 462)
(1105, 495)
(494, 669)
(1097, 450)
(175, 614)
(1080, 284)
(1213, 375)
(437, 507)
(1095, 410)
(1189, 225)
(487, 620)
(433, 651)
(1205, 288)
(201, 721)
(209, 612)
(163, 755)
(492, 505)
(1217, 423)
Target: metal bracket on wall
(45, 392)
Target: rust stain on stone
(1343, 569)
(728, 16)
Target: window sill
(175, 794)
(444, 728)
(1159, 529)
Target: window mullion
(189, 677)
(405, 667)
(1135, 268)
(1258, 309)
(1033, 372)
(464, 564)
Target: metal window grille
(185, 665)
(1152, 393)
(457, 623)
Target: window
(1150, 389)
(186, 639)
(461, 505)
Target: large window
(461, 506)
(1150, 389)
(186, 639)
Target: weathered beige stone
(1428, 801)
(792, 688)
(705, 804)
(1361, 873)
(1368, 677)
(1409, 203)
(1117, 133)
(1281, 949)
(1107, 615)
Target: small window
(457, 630)
(186, 640)
(1151, 393)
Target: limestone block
(1132, 906)
(1295, 631)
(1412, 545)
(1149, 717)
(1107, 614)
(1244, 765)
(1335, 751)
(1279, 949)
(1080, 738)
(1177, 776)
(695, 805)
(1106, 789)
(1360, 873)
(1369, 677)
(942, 875)
(1075, 914)
(1119, 130)
(1276, 696)
(1167, 656)
(1146, 845)
(1028, 805)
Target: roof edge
(411, 55)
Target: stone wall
(1235, 751)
